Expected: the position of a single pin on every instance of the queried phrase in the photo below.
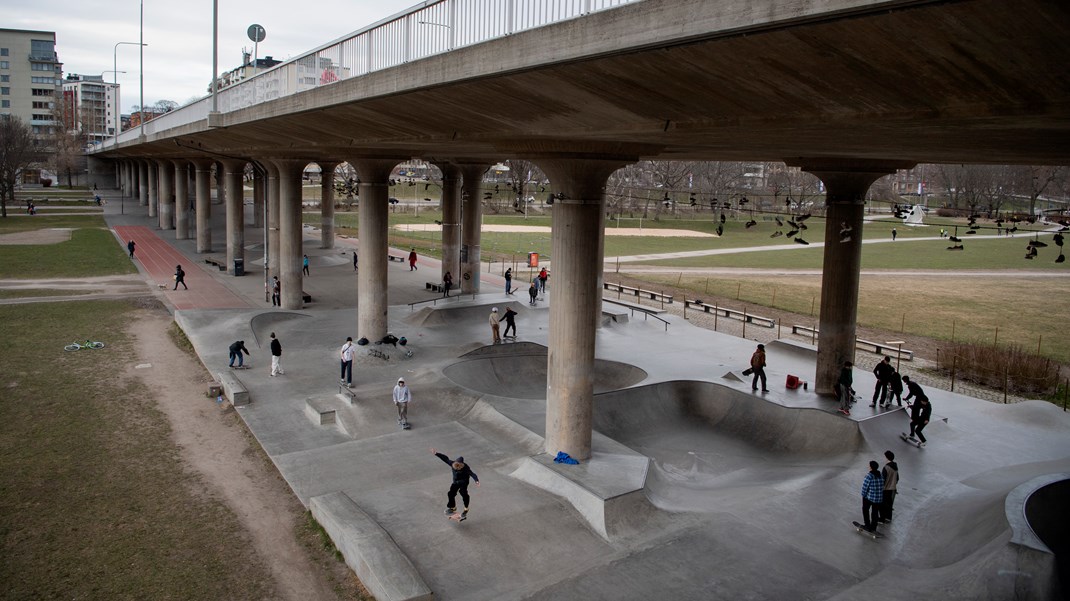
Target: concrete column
(577, 263)
(372, 277)
(472, 216)
(203, 191)
(290, 231)
(117, 175)
(154, 186)
(234, 174)
(846, 183)
(259, 197)
(143, 182)
(273, 218)
(220, 184)
(166, 194)
(124, 178)
(327, 204)
(451, 221)
(181, 199)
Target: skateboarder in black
(843, 387)
(510, 322)
(920, 411)
(883, 371)
(236, 351)
(130, 247)
(872, 496)
(461, 475)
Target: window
(5, 78)
(43, 49)
(47, 80)
(3, 51)
(5, 91)
(5, 65)
(38, 117)
(42, 67)
(5, 104)
(42, 92)
(41, 105)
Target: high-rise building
(91, 102)
(31, 78)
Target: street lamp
(115, 80)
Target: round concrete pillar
(290, 232)
(374, 177)
(203, 192)
(181, 174)
(234, 194)
(272, 217)
(576, 305)
(220, 184)
(451, 221)
(143, 182)
(472, 217)
(166, 199)
(153, 174)
(259, 196)
(327, 203)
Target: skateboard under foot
(906, 438)
(862, 530)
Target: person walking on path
(180, 277)
(509, 280)
(236, 351)
(495, 325)
(872, 496)
(130, 247)
(304, 265)
(533, 293)
(412, 260)
(462, 474)
(894, 233)
(447, 283)
(276, 356)
(402, 397)
(347, 363)
(890, 473)
(920, 411)
(883, 371)
(757, 367)
(276, 291)
(843, 387)
(510, 322)
(543, 276)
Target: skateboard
(457, 517)
(906, 439)
(405, 425)
(240, 366)
(862, 530)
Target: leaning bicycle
(77, 346)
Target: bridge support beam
(234, 174)
(203, 191)
(154, 186)
(472, 217)
(272, 258)
(166, 193)
(451, 221)
(576, 307)
(327, 203)
(290, 232)
(259, 196)
(143, 182)
(181, 199)
(372, 277)
(846, 183)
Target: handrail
(429, 28)
(412, 305)
(645, 311)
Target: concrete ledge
(369, 550)
(233, 389)
(395, 258)
(321, 412)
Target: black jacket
(239, 347)
(920, 412)
(276, 347)
(462, 475)
(884, 371)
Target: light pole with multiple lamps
(115, 80)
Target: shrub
(1020, 371)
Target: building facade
(91, 102)
(31, 78)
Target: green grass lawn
(89, 252)
(30, 292)
(95, 503)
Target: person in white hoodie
(402, 397)
(347, 363)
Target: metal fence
(430, 28)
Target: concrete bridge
(849, 90)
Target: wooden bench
(220, 262)
(638, 292)
(866, 345)
(397, 258)
(757, 320)
(433, 287)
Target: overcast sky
(178, 58)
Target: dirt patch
(43, 236)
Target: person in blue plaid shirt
(872, 496)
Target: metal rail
(646, 312)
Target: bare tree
(523, 174)
(164, 106)
(18, 150)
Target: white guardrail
(430, 28)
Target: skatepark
(697, 487)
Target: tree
(521, 175)
(164, 106)
(18, 150)
(67, 143)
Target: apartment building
(92, 103)
(30, 78)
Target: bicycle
(74, 346)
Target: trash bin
(239, 266)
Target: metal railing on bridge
(424, 30)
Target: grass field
(28, 292)
(95, 503)
(89, 252)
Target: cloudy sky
(178, 58)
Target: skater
(920, 412)
(890, 473)
(509, 280)
(510, 322)
(543, 276)
(412, 260)
(276, 291)
(872, 496)
(276, 356)
(533, 292)
(495, 325)
(447, 283)
(843, 387)
(130, 247)
(236, 351)
(883, 371)
(894, 234)
(401, 397)
(354, 260)
(304, 265)
(757, 367)
(896, 389)
(180, 277)
(347, 363)
(461, 475)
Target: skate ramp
(450, 314)
(519, 371)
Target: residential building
(247, 69)
(92, 103)
(30, 78)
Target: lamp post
(115, 80)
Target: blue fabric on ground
(562, 457)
